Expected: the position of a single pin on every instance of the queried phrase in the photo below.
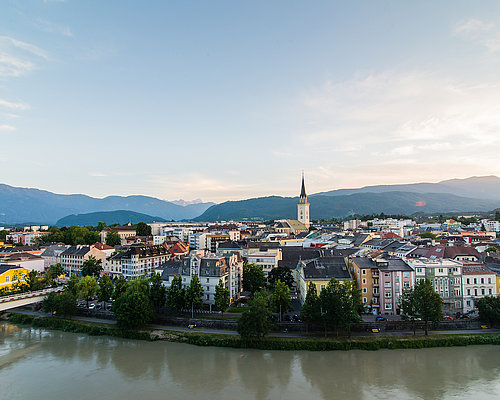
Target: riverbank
(268, 343)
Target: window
(489, 291)
(482, 280)
(387, 274)
(364, 281)
(440, 270)
(468, 292)
(375, 290)
(388, 306)
(365, 300)
(374, 300)
(388, 295)
(419, 270)
(363, 271)
(208, 280)
(482, 292)
(7, 278)
(387, 284)
(365, 290)
(406, 284)
(208, 297)
(475, 281)
(489, 280)
(323, 287)
(468, 303)
(468, 281)
(475, 292)
(208, 288)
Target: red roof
(389, 235)
(100, 246)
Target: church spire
(303, 195)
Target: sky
(226, 100)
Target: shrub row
(77, 327)
(332, 344)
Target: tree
(3, 235)
(428, 303)
(143, 229)
(253, 278)
(49, 303)
(65, 304)
(91, 266)
(113, 238)
(283, 274)
(340, 303)
(100, 226)
(52, 273)
(221, 297)
(120, 287)
(280, 297)
(409, 307)
(106, 288)
(32, 280)
(311, 309)
(87, 288)
(489, 309)
(491, 249)
(157, 292)
(133, 308)
(72, 284)
(427, 235)
(194, 295)
(176, 294)
(255, 322)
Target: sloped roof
(326, 268)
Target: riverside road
(273, 334)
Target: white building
(143, 260)
(478, 282)
(266, 259)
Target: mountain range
(121, 217)
(450, 196)
(26, 205)
(23, 205)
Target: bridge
(23, 299)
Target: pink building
(395, 276)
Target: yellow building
(367, 279)
(10, 275)
(498, 284)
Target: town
(383, 258)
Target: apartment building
(143, 260)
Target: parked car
(82, 305)
(98, 306)
(108, 307)
(92, 306)
(449, 317)
(380, 318)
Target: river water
(41, 364)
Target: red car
(447, 317)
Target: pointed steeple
(303, 195)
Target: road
(273, 334)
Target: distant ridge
(121, 217)
(22, 205)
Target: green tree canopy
(194, 294)
(92, 266)
(106, 288)
(280, 273)
(120, 287)
(133, 308)
(280, 298)
(310, 312)
(253, 278)
(113, 238)
(143, 229)
(221, 297)
(72, 284)
(340, 302)
(87, 288)
(255, 322)
(176, 294)
(489, 309)
(427, 303)
(427, 235)
(157, 292)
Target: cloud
(14, 106)
(486, 34)
(472, 26)
(389, 124)
(49, 26)
(98, 174)
(18, 58)
(7, 128)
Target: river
(42, 364)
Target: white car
(92, 306)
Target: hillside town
(383, 257)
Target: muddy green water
(40, 364)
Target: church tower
(303, 206)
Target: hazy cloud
(7, 128)
(17, 57)
(14, 106)
(52, 27)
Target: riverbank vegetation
(267, 343)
